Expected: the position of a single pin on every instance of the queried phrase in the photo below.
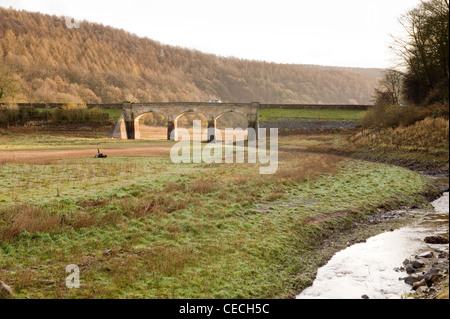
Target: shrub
(437, 110)
(97, 115)
(70, 113)
(392, 116)
(46, 115)
(8, 114)
(79, 113)
(27, 113)
(11, 113)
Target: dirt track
(47, 157)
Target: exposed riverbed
(370, 268)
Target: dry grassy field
(141, 226)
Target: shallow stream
(368, 268)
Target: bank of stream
(376, 268)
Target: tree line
(418, 86)
(41, 60)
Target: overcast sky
(324, 32)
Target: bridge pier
(254, 125)
(211, 131)
(170, 129)
(129, 126)
(128, 118)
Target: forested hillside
(48, 62)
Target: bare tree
(425, 50)
(390, 90)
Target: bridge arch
(154, 126)
(174, 110)
(190, 112)
(240, 119)
(235, 120)
(185, 120)
(233, 111)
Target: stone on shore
(410, 280)
(409, 269)
(436, 240)
(427, 254)
(422, 290)
(427, 273)
(419, 283)
(5, 290)
(431, 276)
(417, 264)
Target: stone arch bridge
(128, 125)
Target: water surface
(368, 268)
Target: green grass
(114, 114)
(147, 228)
(268, 114)
(73, 179)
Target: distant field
(114, 114)
(267, 114)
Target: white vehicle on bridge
(215, 101)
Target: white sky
(324, 32)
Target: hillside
(100, 64)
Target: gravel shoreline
(427, 273)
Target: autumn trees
(100, 64)
(9, 83)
